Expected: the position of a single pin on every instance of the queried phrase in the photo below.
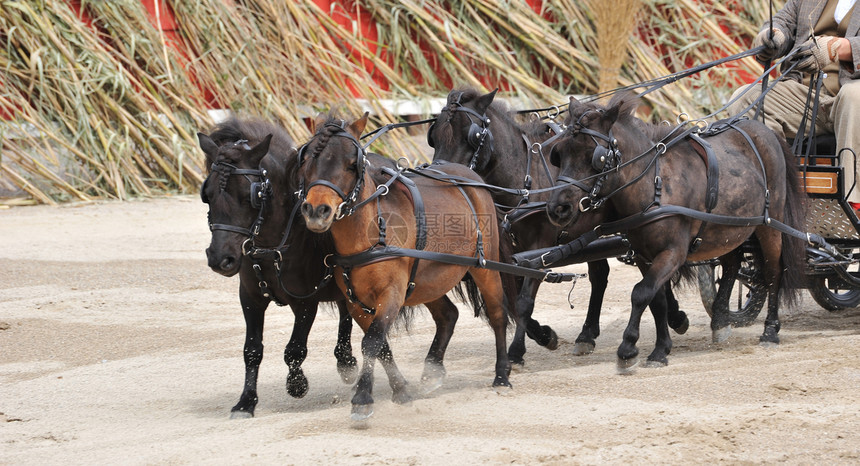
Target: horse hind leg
(721, 327)
(489, 283)
(347, 365)
(445, 314)
(771, 245)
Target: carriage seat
(821, 173)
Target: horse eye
(353, 167)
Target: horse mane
(627, 103)
(253, 130)
(500, 110)
(331, 125)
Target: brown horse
(341, 197)
(658, 180)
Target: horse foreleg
(678, 320)
(661, 270)
(663, 343)
(371, 347)
(347, 366)
(525, 325)
(445, 314)
(297, 348)
(543, 335)
(598, 275)
(254, 313)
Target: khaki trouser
(784, 107)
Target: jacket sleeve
(786, 20)
(855, 57)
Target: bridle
(478, 137)
(348, 203)
(260, 193)
(604, 160)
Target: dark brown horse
(342, 197)
(256, 233)
(648, 174)
(474, 130)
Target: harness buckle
(543, 259)
(246, 247)
(340, 212)
(583, 207)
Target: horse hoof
(430, 385)
(655, 364)
(768, 341)
(241, 415)
(682, 329)
(297, 385)
(348, 372)
(552, 344)
(503, 390)
(722, 334)
(401, 397)
(626, 366)
(582, 348)
(361, 413)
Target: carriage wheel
(836, 293)
(749, 291)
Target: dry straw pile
(109, 110)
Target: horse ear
(622, 105)
(208, 146)
(260, 150)
(483, 102)
(572, 105)
(356, 128)
(319, 121)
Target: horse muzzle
(224, 264)
(318, 218)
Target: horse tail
(467, 291)
(793, 258)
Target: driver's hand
(775, 45)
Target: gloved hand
(774, 46)
(818, 52)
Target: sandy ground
(119, 346)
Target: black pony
(474, 130)
(658, 179)
(256, 232)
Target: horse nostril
(323, 211)
(227, 263)
(307, 209)
(562, 210)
